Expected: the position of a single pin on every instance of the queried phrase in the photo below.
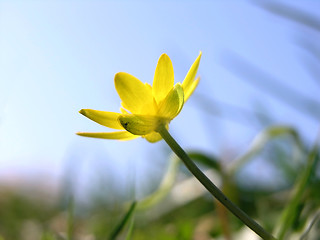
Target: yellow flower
(144, 107)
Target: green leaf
(129, 233)
(123, 221)
(291, 212)
(260, 141)
(209, 161)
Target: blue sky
(57, 57)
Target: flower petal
(136, 96)
(108, 119)
(188, 80)
(123, 111)
(163, 78)
(191, 89)
(139, 124)
(173, 103)
(121, 135)
(153, 137)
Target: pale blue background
(60, 56)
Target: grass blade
(123, 221)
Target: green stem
(211, 187)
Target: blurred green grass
(28, 216)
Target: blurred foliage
(291, 205)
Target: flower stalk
(214, 190)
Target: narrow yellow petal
(163, 78)
(108, 119)
(173, 103)
(138, 124)
(188, 80)
(153, 137)
(136, 96)
(191, 89)
(121, 135)
(123, 111)
(148, 85)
